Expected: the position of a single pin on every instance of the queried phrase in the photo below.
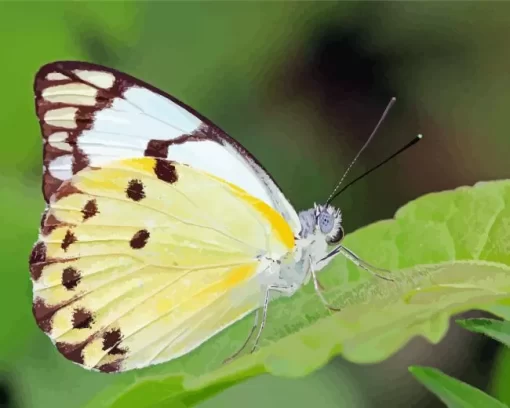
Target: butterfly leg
(318, 289)
(351, 256)
(276, 288)
(252, 330)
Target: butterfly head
(322, 221)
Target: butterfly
(160, 230)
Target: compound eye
(326, 222)
(339, 235)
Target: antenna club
(402, 149)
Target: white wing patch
(57, 137)
(61, 167)
(125, 119)
(55, 76)
(58, 141)
(163, 109)
(62, 117)
(100, 79)
(79, 94)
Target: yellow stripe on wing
(279, 226)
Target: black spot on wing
(111, 340)
(70, 278)
(69, 239)
(135, 190)
(140, 239)
(82, 318)
(37, 257)
(165, 170)
(90, 209)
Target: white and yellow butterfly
(160, 229)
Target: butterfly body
(160, 230)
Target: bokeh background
(301, 85)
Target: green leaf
(454, 393)
(500, 376)
(451, 252)
(497, 329)
(500, 331)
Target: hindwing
(141, 260)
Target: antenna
(402, 149)
(383, 116)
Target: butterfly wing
(142, 260)
(91, 115)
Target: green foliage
(500, 375)
(500, 331)
(454, 393)
(450, 252)
(497, 329)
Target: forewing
(142, 260)
(91, 115)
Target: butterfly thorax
(320, 228)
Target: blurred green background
(299, 81)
